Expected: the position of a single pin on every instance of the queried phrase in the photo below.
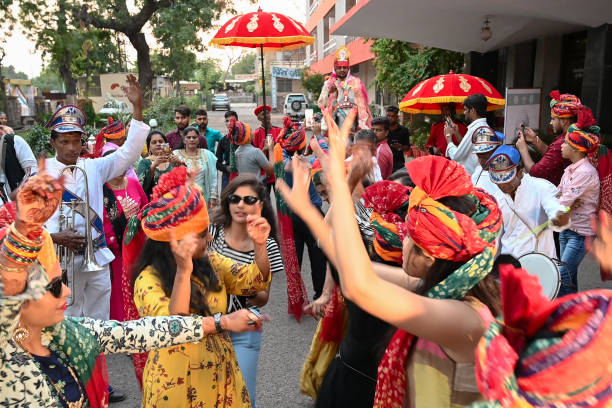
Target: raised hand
(338, 139)
(134, 94)
(298, 195)
(258, 228)
(37, 200)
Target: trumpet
(67, 221)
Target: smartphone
(166, 148)
(523, 129)
(256, 312)
(448, 120)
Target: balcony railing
(287, 64)
(329, 47)
(313, 7)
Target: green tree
(48, 79)
(12, 73)
(208, 74)
(246, 65)
(312, 82)
(174, 24)
(401, 65)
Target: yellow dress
(198, 375)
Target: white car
(114, 107)
(295, 106)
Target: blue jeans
(224, 181)
(246, 346)
(572, 253)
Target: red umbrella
(428, 95)
(266, 31)
(272, 31)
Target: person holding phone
(436, 144)
(159, 161)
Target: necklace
(190, 155)
(70, 404)
(121, 185)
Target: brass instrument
(65, 221)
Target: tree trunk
(145, 72)
(64, 63)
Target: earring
(21, 334)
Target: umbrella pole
(263, 89)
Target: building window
(355, 69)
(349, 4)
(284, 85)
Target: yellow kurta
(204, 374)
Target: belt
(339, 356)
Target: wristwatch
(217, 317)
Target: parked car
(295, 106)
(220, 101)
(114, 107)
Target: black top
(400, 135)
(56, 370)
(223, 154)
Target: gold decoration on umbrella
(464, 84)
(231, 25)
(252, 26)
(439, 85)
(277, 23)
(418, 88)
(484, 85)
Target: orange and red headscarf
(583, 135)
(292, 138)
(564, 105)
(115, 130)
(239, 133)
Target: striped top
(219, 245)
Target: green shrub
(39, 140)
(162, 110)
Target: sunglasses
(248, 200)
(56, 285)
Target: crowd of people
(415, 264)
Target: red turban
(292, 138)
(564, 105)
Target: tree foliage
(312, 82)
(12, 73)
(401, 65)
(209, 75)
(246, 65)
(48, 79)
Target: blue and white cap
(503, 165)
(67, 118)
(486, 139)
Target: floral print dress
(197, 375)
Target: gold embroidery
(418, 88)
(231, 25)
(252, 26)
(297, 26)
(439, 85)
(464, 84)
(484, 84)
(277, 23)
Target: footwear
(116, 395)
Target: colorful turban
(316, 172)
(543, 353)
(239, 133)
(260, 108)
(292, 138)
(444, 234)
(435, 228)
(387, 200)
(583, 135)
(342, 58)
(564, 105)
(175, 206)
(114, 130)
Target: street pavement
(285, 342)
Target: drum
(545, 269)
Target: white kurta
(535, 201)
(464, 152)
(99, 171)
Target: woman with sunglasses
(173, 279)
(245, 196)
(48, 360)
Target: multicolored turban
(543, 353)
(239, 133)
(292, 138)
(583, 135)
(387, 200)
(316, 172)
(445, 234)
(114, 131)
(564, 105)
(175, 206)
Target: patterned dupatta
(296, 290)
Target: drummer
(485, 141)
(526, 203)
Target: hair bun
(176, 178)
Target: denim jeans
(572, 253)
(247, 345)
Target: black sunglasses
(56, 285)
(248, 200)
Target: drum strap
(527, 225)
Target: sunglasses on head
(56, 285)
(248, 200)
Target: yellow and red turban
(239, 133)
(342, 58)
(175, 206)
(114, 130)
(292, 138)
(435, 228)
(583, 135)
(543, 353)
(564, 105)
(388, 199)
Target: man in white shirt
(90, 290)
(17, 162)
(485, 141)
(475, 109)
(527, 202)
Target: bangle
(17, 249)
